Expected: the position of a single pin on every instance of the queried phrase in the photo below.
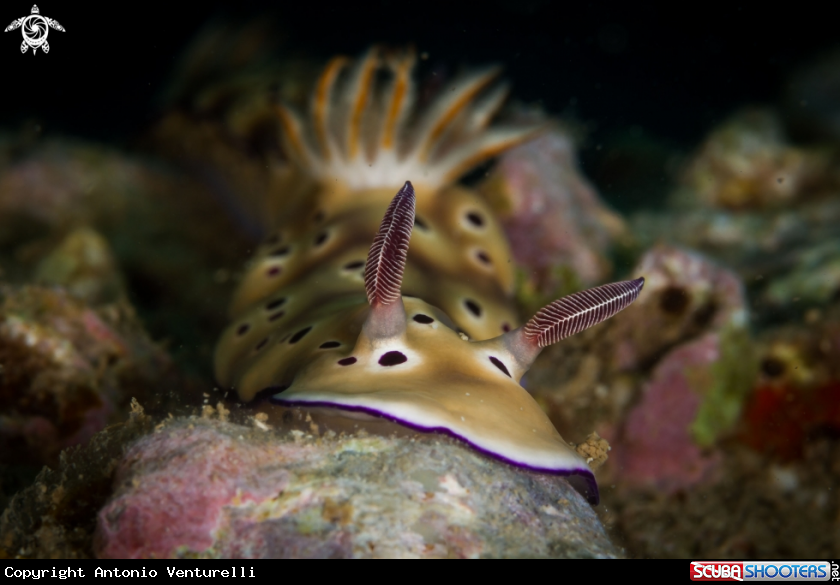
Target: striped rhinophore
(386, 259)
(581, 310)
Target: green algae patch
(725, 385)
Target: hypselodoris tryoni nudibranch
(336, 311)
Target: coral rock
(590, 381)
(686, 294)
(813, 278)
(552, 215)
(748, 164)
(84, 265)
(157, 220)
(54, 518)
(797, 397)
(66, 370)
(656, 447)
(204, 488)
(755, 510)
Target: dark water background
(668, 71)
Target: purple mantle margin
(583, 480)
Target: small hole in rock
(392, 358)
(299, 335)
(280, 251)
(498, 363)
(420, 223)
(423, 318)
(276, 315)
(322, 237)
(329, 344)
(483, 257)
(505, 327)
(273, 271)
(243, 329)
(347, 361)
(475, 219)
(773, 367)
(354, 264)
(473, 307)
(674, 300)
(261, 344)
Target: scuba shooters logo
(714, 571)
(763, 571)
(35, 29)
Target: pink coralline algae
(656, 448)
(552, 215)
(183, 508)
(212, 489)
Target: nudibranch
(426, 338)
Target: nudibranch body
(335, 311)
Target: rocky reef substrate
(205, 487)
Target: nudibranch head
(402, 359)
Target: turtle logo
(35, 28)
